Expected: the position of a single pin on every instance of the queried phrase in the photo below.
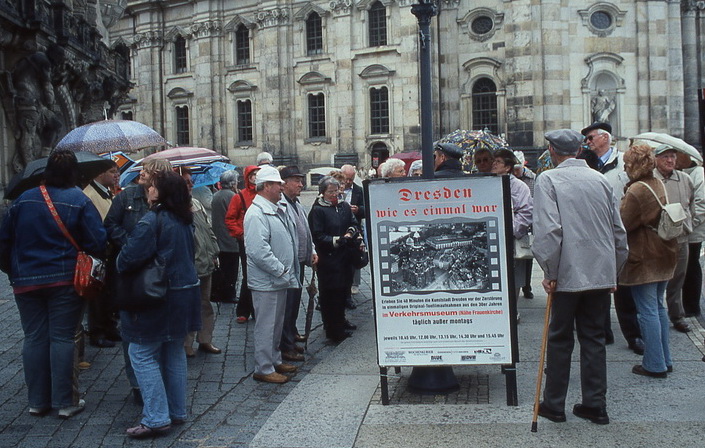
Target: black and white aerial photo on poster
(440, 270)
(443, 255)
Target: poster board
(441, 271)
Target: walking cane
(544, 341)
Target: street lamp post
(428, 380)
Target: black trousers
(584, 311)
(692, 286)
(332, 302)
(225, 277)
(244, 304)
(626, 313)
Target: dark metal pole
(424, 11)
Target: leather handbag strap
(56, 216)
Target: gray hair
(609, 136)
(325, 182)
(264, 157)
(229, 179)
(390, 165)
(415, 165)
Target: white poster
(440, 276)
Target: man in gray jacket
(272, 268)
(581, 245)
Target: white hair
(609, 136)
(390, 165)
(415, 165)
(264, 157)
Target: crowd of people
(593, 216)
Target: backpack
(671, 225)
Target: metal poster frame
(442, 267)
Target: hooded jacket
(235, 216)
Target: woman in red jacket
(234, 222)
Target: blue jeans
(160, 368)
(654, 323)
(49, 318)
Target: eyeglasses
(589, 138)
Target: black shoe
(595, 415)
(528, 294)
(639, 370)
(350, 304)
(349, 326)
(113, 336)
(554, 416)
(637, 346)
(102, 343)
(137, 396)
(340, 337)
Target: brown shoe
(293, 356)
(681, 325)
(209, 348)
(298, 348)
(189, 352)
(273, 377)
(300, 338)
(285, 368)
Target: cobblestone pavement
(228, 407)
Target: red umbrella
(407, 157)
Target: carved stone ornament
(481, 23)
(207, 29)
(148, 39)
(272, 17)
(602, 18)
(693, 5)
(340, 6)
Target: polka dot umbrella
(470, 141)
(111, 136)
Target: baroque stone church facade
(321, 82)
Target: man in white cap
(581, 245)
(272, 268)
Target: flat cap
(565, 142)
(449, 149)
(290, 171)
(597, 125)
(663, 148)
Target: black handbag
(144, 288)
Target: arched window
(242, 45)
(377, 19)
(484, 105)
(314, 34)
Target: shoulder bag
(143, 288)
(89, 275)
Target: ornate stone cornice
(208, 28)
(272, 17)
(340, 6)
(147, 39)
(692, 5)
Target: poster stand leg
(384, 384)
(510, 380)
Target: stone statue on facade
(602, 107)
(37, 124)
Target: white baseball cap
(268, 174)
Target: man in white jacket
(272, 268)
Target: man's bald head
(349, 173)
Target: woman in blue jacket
(156, 335)
(40, 262)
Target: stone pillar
(691, 112)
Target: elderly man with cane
(581, 245)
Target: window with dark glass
(314, 34)
(242, 45)
(481, 25)
(180, 55)
(244, 122)
(379, 110)
(601, 20)
(377, 19)
(484, 105)
(182, 126)
(316, 116)
(126, 115)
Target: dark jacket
(128, 207)
(34, 251)
(219, 207)
(328, 223)
(358, 198)
(450, 168)
(171, 240)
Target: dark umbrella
(312, 290)
(89, 165)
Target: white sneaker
(72, 410)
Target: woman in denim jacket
(40, 262)
(156, 336)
